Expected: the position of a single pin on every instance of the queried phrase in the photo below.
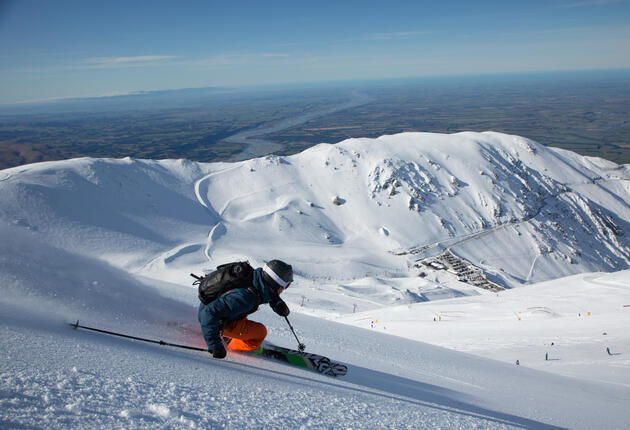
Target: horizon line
(302, 84)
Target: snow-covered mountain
(377, 231)
(355, 218)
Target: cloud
(396, 35)
(93, 63)
(119, 62)
(591, 3)
(274, 55)
(237, 59)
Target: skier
(227, 315)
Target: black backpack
(228, 276)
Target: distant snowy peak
(570, 207)
(501, 178)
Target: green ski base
(315, 362)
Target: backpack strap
(258, 298)
(256, 293)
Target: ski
(315, 362)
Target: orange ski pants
(246, 335)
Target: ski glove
(281, 308)
(218, 353)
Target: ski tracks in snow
(218, 229)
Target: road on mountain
(446, 245)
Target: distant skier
(227, 314)
(608, 351)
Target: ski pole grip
(199, 278)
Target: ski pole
(113, 333)
(301, 346)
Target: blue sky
(55, 49)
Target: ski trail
(203, 182)
(531, 268)
(201, 193)
(217, 231)
(170, 256)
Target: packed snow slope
(575, 326)
(53, 376)
(111, 243)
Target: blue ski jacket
(231, 306)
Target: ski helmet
(280, 272)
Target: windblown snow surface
(112, 242)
